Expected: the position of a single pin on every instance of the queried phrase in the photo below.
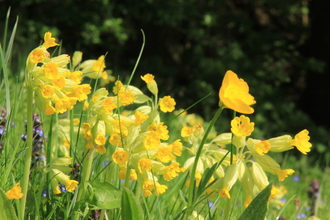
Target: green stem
(87, 167)
(198, 153)
(227, 210)
(102, 213)
(28, 152)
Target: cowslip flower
(241, 126)
(151, 83)
(49, 40)
(15, 192)
(167, 104)
(301, 142)
(234, 94)
(94, 68)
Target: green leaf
(104, 195)
(258, 208)
(130, 207)
(7, 209)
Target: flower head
(148, 78)
(234, 94)
(241, 126)
(167, 104)
(49, 40)
(15, 192)
(301, 141)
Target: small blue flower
(301, 216)
(296, 178)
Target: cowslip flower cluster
(251, 160)
(137, 137)
(56, 88)
(211, 153)
(93, 69)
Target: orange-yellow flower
(148, 78)
(301, 141)
(145, 164)
(167, 104)
(120, 157)
(263, 147)
(38, 55)
(234, 94)
(140, 118)
(109, 104)
(241, 126)
(47, 91)
(71, 185)
(49, 40)
(186, 131)
(51, 70)
(15, 192)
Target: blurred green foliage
(190, 44)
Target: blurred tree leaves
(190, 44)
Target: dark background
(281, 48)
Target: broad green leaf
(258, 208)
(104, 195)
(7, 209)
(130, 207)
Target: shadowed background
(281, 48)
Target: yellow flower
(282, 174)
(15, 192)
(100, 139)
(224, 192)
(49, 40)
(241, 126)
(263, 147)
(93, 68)
(51, 70)
(126, 98)
(187, 131)
(120, 157)
(109, 104)
(58, 82)
(176, 147)
(151, 141)
(172, 171)
(301, 142)
(100, 149)
(164, 154)
(145, 164)
(148, 78)
(140, 118)
(50, 110)
(234, 94)
(122, 174)
(76, 121)
(167, 104)
(114, 139)
(47, 91)
(160, 189)
(38, 55)
(70, 185)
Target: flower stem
(28, 152)
(87, 167)
(227, 210)
(198, 153)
